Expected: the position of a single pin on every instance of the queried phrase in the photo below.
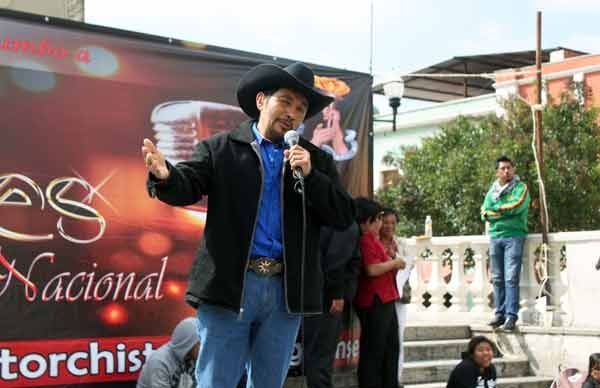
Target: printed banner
(84, 360)
(89, 264)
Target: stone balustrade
(451, 279)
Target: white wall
(388, 141)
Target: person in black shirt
(593, 379)
(476, 369)
(340, 262)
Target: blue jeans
(506, 256)
(261, 338)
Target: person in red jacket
(374, 302)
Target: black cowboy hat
(296, 76)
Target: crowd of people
(362, 266)
(284, 242)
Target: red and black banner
(93, 271)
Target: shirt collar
(257, 135)
(260, 138)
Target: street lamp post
(394, 92)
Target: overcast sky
(408, 34)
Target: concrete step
(436, 333)
(348, 380)
(434, 350)
(422, 372)
(341, 379)
(503, 382)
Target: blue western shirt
(267, 236)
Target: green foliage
(448, 176)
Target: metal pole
(538, 114)
(371, 44)
(551, 303)
(371, 141)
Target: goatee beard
(274, 136)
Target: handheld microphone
(291, 138)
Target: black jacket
(467, 375)
(227, 168)
(590, 383)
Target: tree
(448, 176)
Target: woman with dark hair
(374, 302)
(593, 379)
(476, 369)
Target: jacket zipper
(253, 145)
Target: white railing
(451, 279)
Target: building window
(389, 178)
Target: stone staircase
(431, 352)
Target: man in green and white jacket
(506, 207)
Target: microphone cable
(300, 189)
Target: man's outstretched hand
(154, 159)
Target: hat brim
(268, 77)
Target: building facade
(558, 74)
(65, 9)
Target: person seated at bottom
(593, 379)
(476, 369)
(172, 365)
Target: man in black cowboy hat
(249, 280)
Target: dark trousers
(379, 347)
(321, 334)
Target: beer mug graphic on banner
(179, 125)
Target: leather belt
(265, 266)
